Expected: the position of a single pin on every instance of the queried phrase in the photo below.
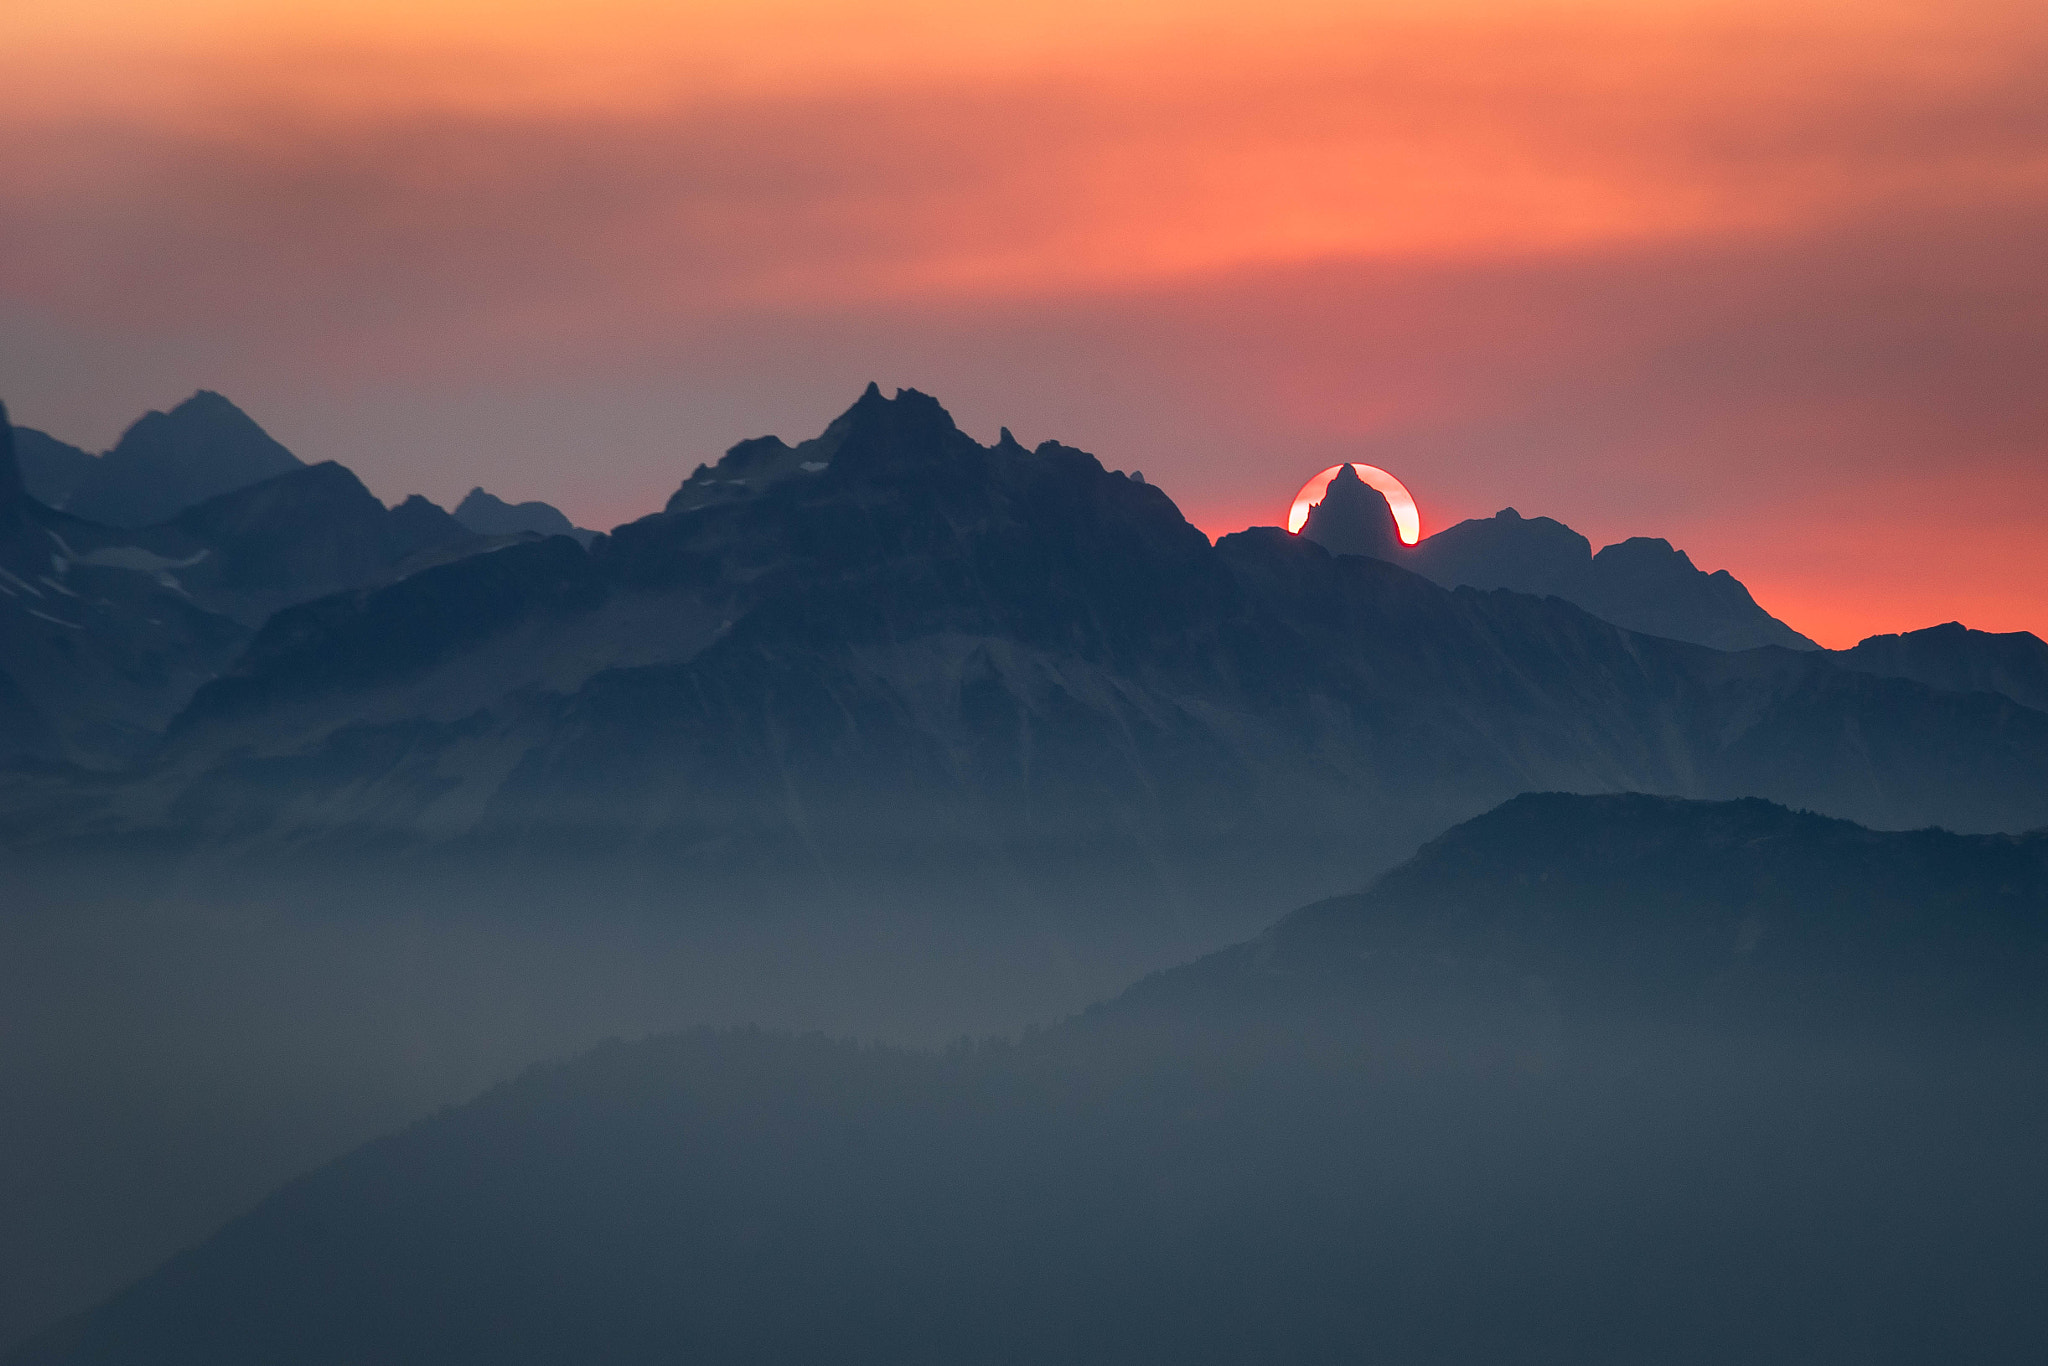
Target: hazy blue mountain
(1642, 583)
(106, 632)
(1957, 659)
(489, 515)
(1665, 908)
(1610, 1079)
(1353, 519)
(24, 730)
(13, 490)
(892, 649)
(166, 462)
(301, 535)
(96, 654)
(51, 470)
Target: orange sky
(1762, 279)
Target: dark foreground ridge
(1612, 1079)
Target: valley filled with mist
(917, 899)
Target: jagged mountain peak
(1353, 518)
(877, 435)
(167, 461)
(210, 418)
(878, 431)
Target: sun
(1406, 520)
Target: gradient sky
(1767, 280)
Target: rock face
(1957, 659)
(1604, 1066)
(1354, 519)
(1642, 583)
(51, 469)
(905, 651)
(167, 462)
(488, 515)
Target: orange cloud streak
(1643, 267)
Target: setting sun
(1406, 519)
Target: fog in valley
(165, 1061)
(912, 899)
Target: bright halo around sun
(1406, 520)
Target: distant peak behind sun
(1407, 521)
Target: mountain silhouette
(300, 535)
(893, 656)
(95, 657)
(51, 470)
(1642, 583)
(1603, 1079)
(1661, 906)
(1957, 659)
(488, 515)
(166, 462)
(106, 632)
(1353, 518)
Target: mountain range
(891, 649)
(143, 572)
(1642, 583)
(1589, 1079)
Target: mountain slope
(97, 656)
(1957, 659)
(106, 632)
(301, 535)
(166, 462)
(1590, 1080)
(1641, 583)
(1665, 907)
(51, 470)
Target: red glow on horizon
(1407, 520)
